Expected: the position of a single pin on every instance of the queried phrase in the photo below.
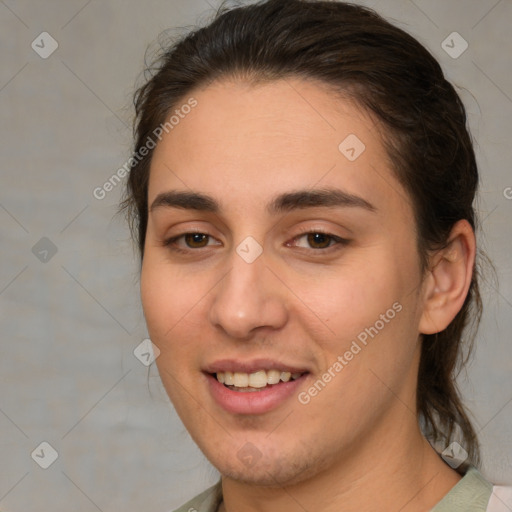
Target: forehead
(245, 142)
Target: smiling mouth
(256, 381)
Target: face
(278, 244)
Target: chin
(263, 469)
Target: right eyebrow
(185, 200)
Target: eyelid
(167, 242)
(339, 242)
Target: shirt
(472, 493)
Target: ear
(447, 283)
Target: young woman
(301, 194)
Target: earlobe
(447, 283)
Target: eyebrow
(286, 202)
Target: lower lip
(252, 402)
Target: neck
(404, 473)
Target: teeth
(273, 376)
(241, 380)
(258, 379)
(286, 376)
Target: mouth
(253, 387)
(256, 381)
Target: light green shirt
(470, 494)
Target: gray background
(68, 375)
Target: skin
(356, 445)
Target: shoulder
(207, 501)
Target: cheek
(169, 303)
(370, 309)
(167, 298)
(156, 300)
(351, 298)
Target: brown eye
(319, 240)
(196, 240)
(191, 242)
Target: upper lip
(251, 366)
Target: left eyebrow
(326, 197)
(286, 202)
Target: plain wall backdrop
(69, 306)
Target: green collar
(470, 494)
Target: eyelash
(338, 241)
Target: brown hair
(394, 77)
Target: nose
(247, 299)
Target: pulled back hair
(423, 125)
